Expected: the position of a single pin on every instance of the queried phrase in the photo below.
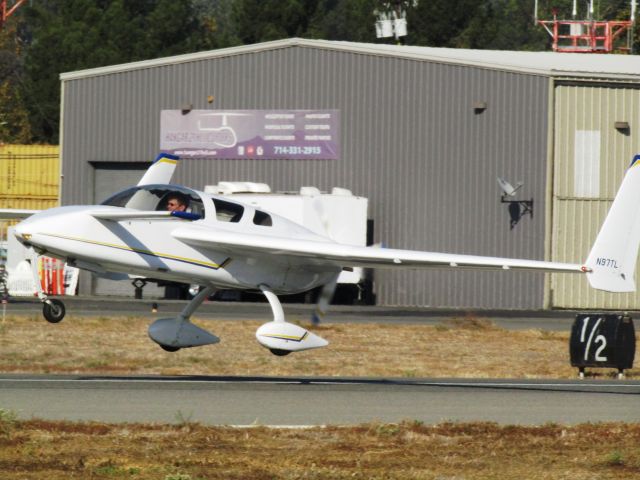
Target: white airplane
(170, 232)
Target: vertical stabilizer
(161, 170)
(612, 260)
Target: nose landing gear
(52, 309)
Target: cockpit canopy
(157, 198)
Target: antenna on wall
(517, 208)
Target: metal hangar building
(424, 134)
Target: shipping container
(29, 172)
(29, 178)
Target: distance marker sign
(602, 340)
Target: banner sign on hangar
(251, 134)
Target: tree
(216, 17)
(54, 36)
(437, 23)
(503, 25)
(69, 35)
(264, 20)
(348, 20)
(14, 118)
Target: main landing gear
(52, 309)
(172, 334)
(282, 337)
(279, 336)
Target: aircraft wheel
(169, 348)
(278, 352)
(54, 311)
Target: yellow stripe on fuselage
(141, 251)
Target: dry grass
(56, 451)
(460, 347)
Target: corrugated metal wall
(29, 176)
(591, 157)
(411, 142)
(29, 179)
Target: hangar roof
(576, 65)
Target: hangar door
(108, 179)
(590, 158)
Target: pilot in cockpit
(177, 202)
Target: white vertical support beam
(276, 306)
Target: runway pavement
(246, 401)
(314, 401)
(510, 319)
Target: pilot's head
(176, 202)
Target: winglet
(612, 260)
(161, 170)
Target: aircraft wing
(116, 215)
(14, 213)
(127, 214)
(348, 255)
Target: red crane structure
(589, 35)
(7, 10)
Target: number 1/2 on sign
(600, 340)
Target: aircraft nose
(28, 227)
(22, 232)
(37, 229)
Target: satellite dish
(507, 188)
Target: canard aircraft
(169, 232)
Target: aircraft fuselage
(146, 247)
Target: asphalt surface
(559, 320)
(244, 401)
